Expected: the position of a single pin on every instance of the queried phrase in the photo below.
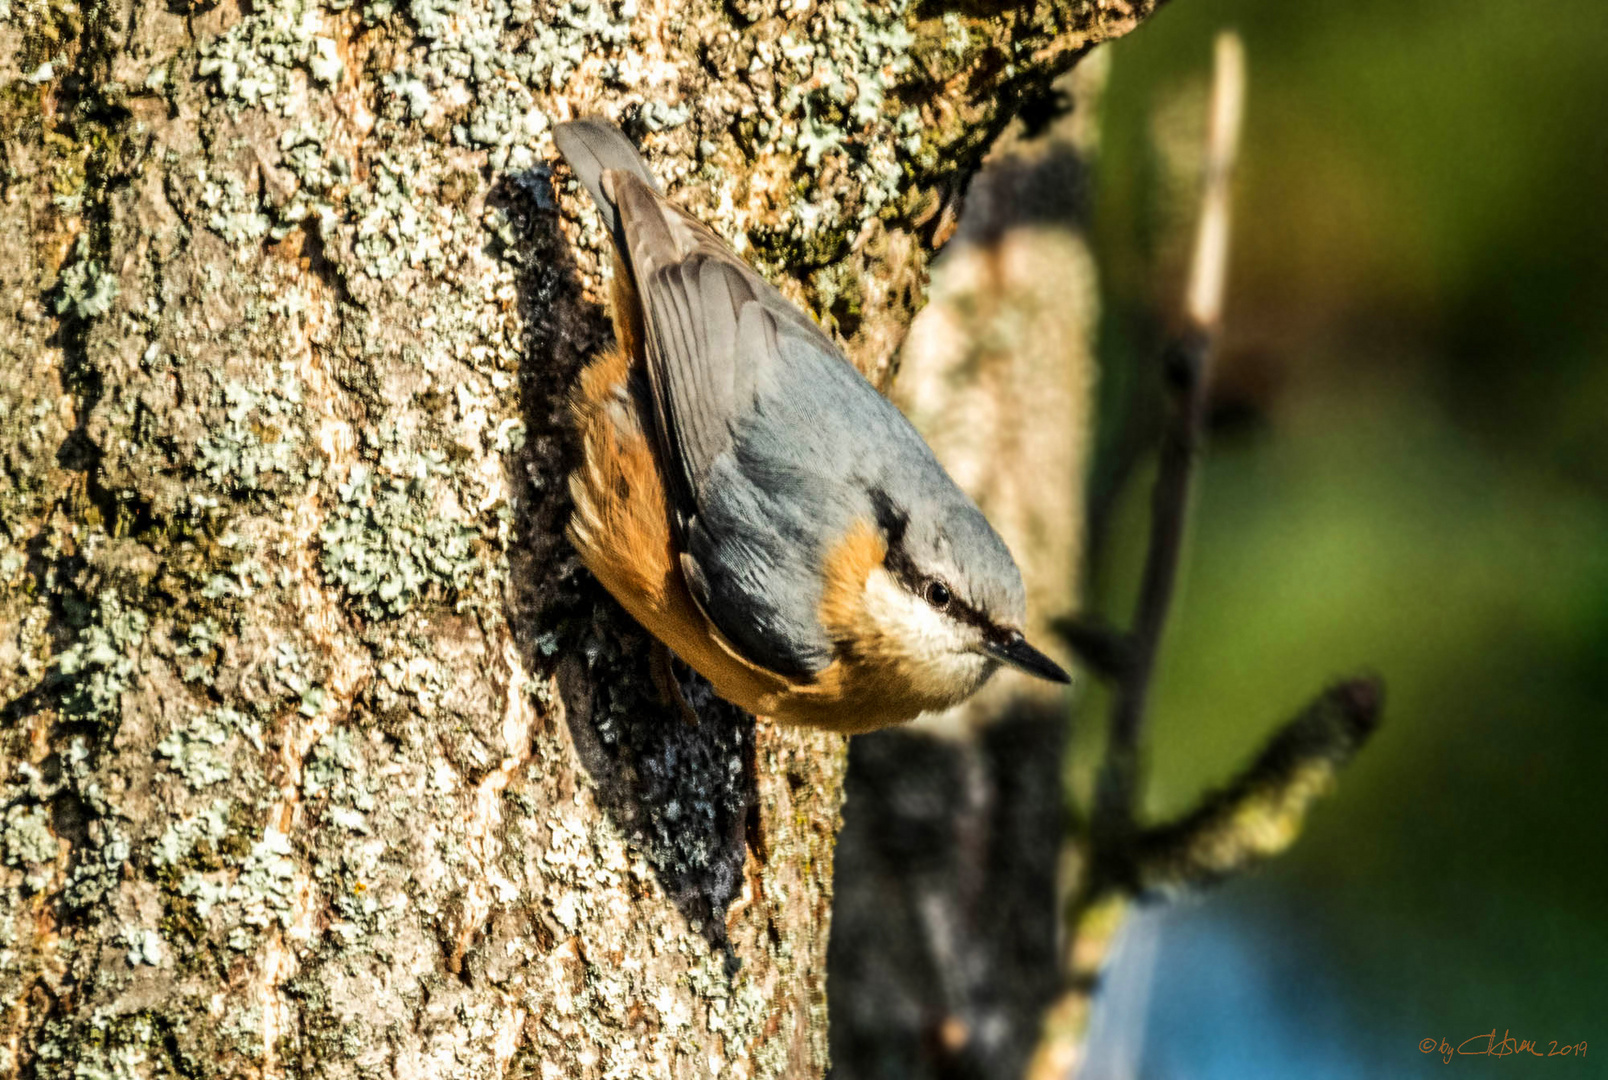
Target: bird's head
(946, 605)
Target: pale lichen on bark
(319, 754)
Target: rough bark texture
(319, 756)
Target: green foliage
(1415, 330)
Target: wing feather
(710, 322)
(752, 481)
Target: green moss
(785, 250)
(21, 111)
(841, 294)
(243, 828)
(193, 864)
(181, 926)
(260, 893)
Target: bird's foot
(663, 662)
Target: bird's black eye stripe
(936, 593)
(892, 520)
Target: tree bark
(320, 755)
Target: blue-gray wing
(761, 421)
(816, 451)
(711, 325)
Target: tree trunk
(321, 756)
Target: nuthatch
(755, 503)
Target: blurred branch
(1260, 812)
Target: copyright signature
(1488, 1045)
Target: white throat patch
(935, 653)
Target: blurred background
(1408, 474)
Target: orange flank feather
(621, 528)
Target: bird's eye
(937, 594)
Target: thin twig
(1260, 812)
(1105, 853)
(1187, 363)
(1099, 646)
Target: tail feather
(593, 146)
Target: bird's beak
(1014, 650)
